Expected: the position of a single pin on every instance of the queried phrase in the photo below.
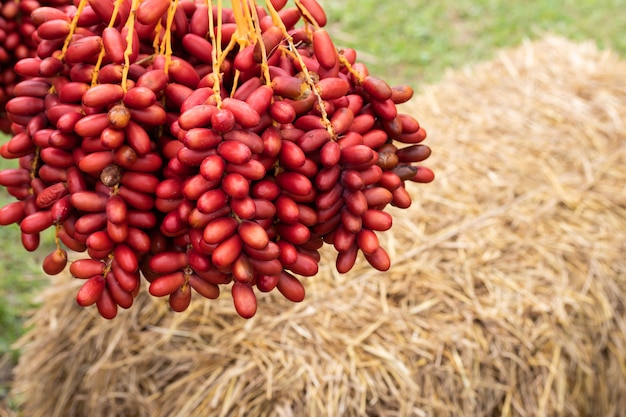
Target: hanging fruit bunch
(199, 146)
(16, 42)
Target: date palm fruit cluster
(16, 42)
(199, 146)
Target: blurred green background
(414, 41)
(404, 41)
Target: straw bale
(506, 296)
(5, 384)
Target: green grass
(20, 273)
(414, 41)
(20, 277)
(404, 41)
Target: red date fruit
(166, 284)
(55, 262)
(180, 299)
(290, 287)
(244, 299)
(324, 49)
(204, 288)
(91, 291)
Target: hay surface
(505, 296)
